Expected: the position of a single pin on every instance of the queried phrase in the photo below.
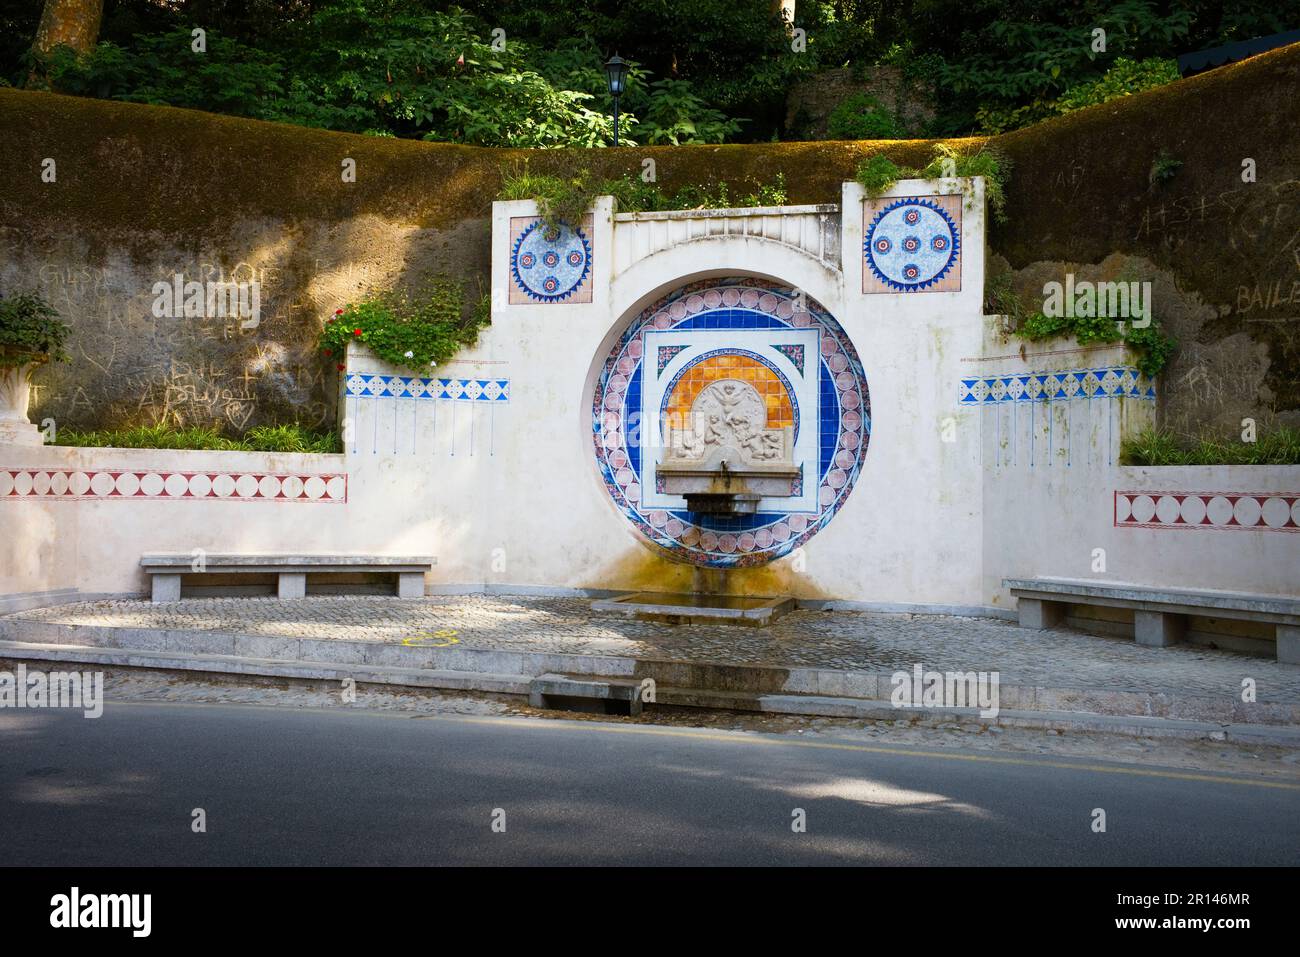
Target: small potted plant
(31, 333)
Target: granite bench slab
(165, 570)
(1159, 613)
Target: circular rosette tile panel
(911, 244)
(839, 412)
(550, 263)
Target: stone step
(749, 681)
(588, 687)
(555, 691)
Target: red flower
(356, 332)
(340, 367)
(327, 352)
(338, 312)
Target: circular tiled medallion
(549, 263)
(911, 244)
(842, 420)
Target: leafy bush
(30, 330)
(1160, 447)
(863, 117)
(1124, 78)
(877, 173)
(1153, 347)
(676, 115)
(567, 199)
(417, 328)
(278, 438)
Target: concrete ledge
(223, 651)
(809, 705)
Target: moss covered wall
(146, 192)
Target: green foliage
(987, 161)
(1280, 446)
(1000, 298)
(395, 68)
(1124, 78)
(1152, 346)
(878, 173)
(1163, 168)
(676, 115)
(277, 438)
(567, 199)
(863, 117)
(30, 330)
(560, 199)
(417, 328)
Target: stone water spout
(726, 459)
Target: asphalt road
(282, 786)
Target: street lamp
(615, 75)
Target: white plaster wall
(1050, 504)
(508, 494)
(95, 544)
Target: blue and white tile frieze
(373, 385)
(1115, 382)
(389, 414)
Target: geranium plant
(416, 329)
(30, 331)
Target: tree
(67, 23)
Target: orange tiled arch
(780, 413)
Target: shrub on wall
(878, 172)
(1152, 346)
(30, 331)
(416, 328)
(1158, 447)
(567, 199)
(863, 117)
(270, 438)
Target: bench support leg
(166, 588)
(1158, 629)
(1036, 613)
(1288, 644)
(292, 585)
(410, 584)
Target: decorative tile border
(912, 244)
(1251, 511)
(203, 484)
(1106, 383)
(367, 385)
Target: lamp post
(615, 75)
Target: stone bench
(1159, 614)
(165, 571)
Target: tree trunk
(70, 23)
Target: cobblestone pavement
(1258, 759)
(1057, 658)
